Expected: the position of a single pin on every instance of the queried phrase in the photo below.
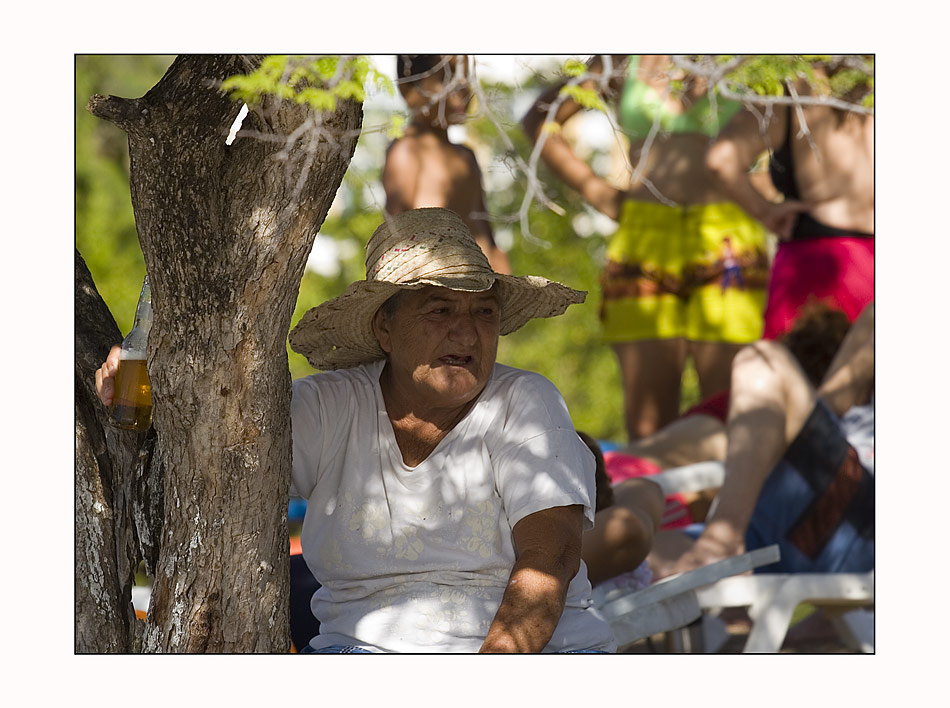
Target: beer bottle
(132, 402)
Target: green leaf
(588, 98)
(307, 81)
(397, 127)
(574, 67)
(318, 99)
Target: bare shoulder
(403, 148)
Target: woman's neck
(409, 410)
(418, 429)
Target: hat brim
(338, 334)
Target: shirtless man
(424, 168)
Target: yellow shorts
(697, 271)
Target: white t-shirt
(416, 559)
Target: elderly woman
(447, 494)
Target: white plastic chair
(671, 603)
(773, 597)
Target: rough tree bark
(225, 231)
(106, 538)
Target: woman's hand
(105, 376)
(779, 217)
(601, 195)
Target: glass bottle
(132, 402)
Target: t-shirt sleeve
(309, 433)
(540, 462)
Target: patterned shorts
(817, 504)
(697, 271)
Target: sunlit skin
(424, 168)
(441, 346)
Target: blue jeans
(346, 649)
(334, 649)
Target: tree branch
(126, 113)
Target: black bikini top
(782, 172)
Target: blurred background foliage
(105, 225)
(567, 350)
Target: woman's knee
(769, 355)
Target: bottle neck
(143, 311)
(136, 342)
(143, 316)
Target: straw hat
(430, 246)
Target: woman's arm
(548, 551)
(729, 159)
(557, 152)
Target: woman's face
(441, 344)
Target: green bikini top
(639, 105)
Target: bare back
(673, 163)
(836, 176)
(423, 170)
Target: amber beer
(132, 402)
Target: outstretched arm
(558, 153)
(548, 551)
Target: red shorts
(836, 270)
(620, 467)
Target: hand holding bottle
(122, 381)
(105, 376)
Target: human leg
(696, 438)
(642, 312)
(770, 401)
(713, 362)
(651, 372)
(623, 532)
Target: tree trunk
(225, 231)
(105, 545)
